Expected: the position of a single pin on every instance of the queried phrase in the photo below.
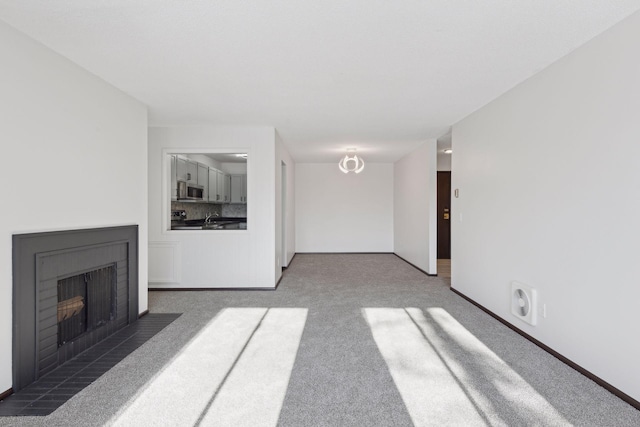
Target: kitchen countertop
(215, 223)
(215, 219)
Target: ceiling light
(448, 151)
(351, 162)
(243, 155)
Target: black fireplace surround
(71, 290)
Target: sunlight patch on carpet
(254, 391)
(446, 376)
(244, 357)
(511, 387)
(430, 394)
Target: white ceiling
(382, 76)
(226, 157)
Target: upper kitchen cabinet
(227, 187)
(192, 172)
(203, 180)
(186, 170)
(219, 186)
(238, 188)
(181, 168)
(222, 187)
(214, 195)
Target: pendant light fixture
(351, 162)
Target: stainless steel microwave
(188, 191)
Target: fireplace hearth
(72, 289)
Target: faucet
(209, 215)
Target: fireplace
(72, 289)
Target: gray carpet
(382, 345)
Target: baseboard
(6, 394)
(602, 383)
(220, 289)
(212, 289)
(290, 261)
(144, 313)
(416, 267)
(345, 253)
(279, 280)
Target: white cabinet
(223, 187)
(214, 196)
(192, 172)
(216, 184)
(187, 170)
(174, 181)
(203, 180)
(238, 188)
(181, 169)
(219, 186)
(244, 188)
(227, 188)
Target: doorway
(444, 214)
(283, 210)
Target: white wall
(234, 168)
(550, 196)
(283, 158)
(414, 207)
(63, 129)
(337, 212)
(214, 259)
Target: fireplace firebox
(71, 289)
(85, 302)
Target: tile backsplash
(234, 211)
(197, 210)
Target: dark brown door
(444, 215)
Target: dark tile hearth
(54, 389)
